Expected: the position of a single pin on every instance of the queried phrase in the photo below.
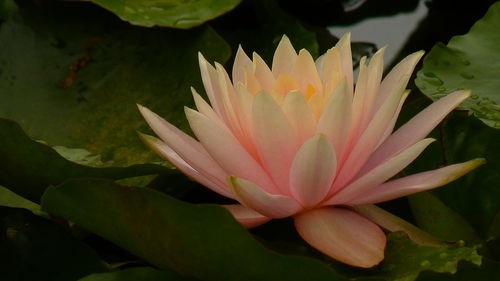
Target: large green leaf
(473, 196)
(33, 248)
(170, 13)
(405, 260)
(29, 167)
(72, 75)
(470, 61)
(201, 241)
(136, 274)
(488, 271)
(11, 199)
(435, 217)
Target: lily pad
(71, 76)
(435, 217)
(200, 241)
(169, 13)
(470, 61)
(136, 274)
(33, 248)
(29, 167)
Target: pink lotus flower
(298, 139)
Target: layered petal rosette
(298, 139)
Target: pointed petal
(335, 122)
(344, 48)
(166, 152)
(248, 218)
(241, 61)
(375, 71)
(417, 183)
(270, 205)
(275, 139)
(186, 147)
(226, 150)
(379, 174)
(330, 70)
(403, 68)
(417, 128)
(343, 235)
(392, 223)
(263, 73)
(284, 57)
(209, 78)
(304, 71)
(358, 99)
(392, 123)
(367, 142)
(299, 115)
(313, 170)
(205, 109)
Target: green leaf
(29, 167)
(470, 61)
(79, 156)
(489, 270)
(473, 196)
(170, 13)
(11, 199)
(201, 241)
(33, 248)
(72, 75)
(405, 260)
(136, 274)
(435, 217)
(7, 8)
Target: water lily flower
(297, 139)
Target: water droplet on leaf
(425, 263)
(467, 75)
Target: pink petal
(263, 73)
(186, 147)
(209, 78)
(335, 122)
(330, 70)
(367, 142)
(344, 48)
(305, 72)
(248, 218)
(379, 174)
(416, 183)
(392, 123)
(343, 235)
(417, 128)
(375, 69)
(299, 114)
(313, 170)
(270, 205)
(163, 150)
(205, 109)
(392, 223)
(358, 99)
(226, 150)
(403, 68)
(275, 139)
(284, 57)
(241, 62)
